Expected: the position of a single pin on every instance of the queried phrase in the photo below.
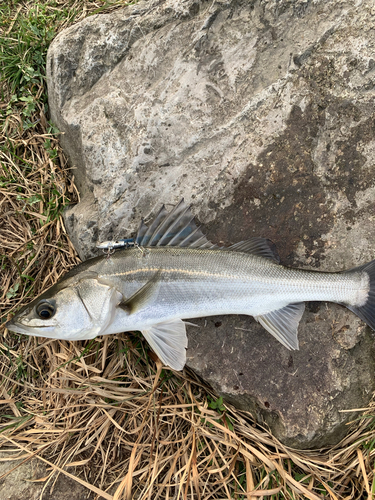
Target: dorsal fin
(178, 219)
(257, 246)
(176, 228)
(145, 232)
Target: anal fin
(168, 340)
(283, 323)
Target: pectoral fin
(283, 324)
(145, 295)
(168, 340)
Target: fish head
(80, 310)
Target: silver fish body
(193, 283)
(153, 288)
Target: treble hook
(109, 251)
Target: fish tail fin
(366, 310)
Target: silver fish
(172, 273)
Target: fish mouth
(17, 328)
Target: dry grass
(105, 412)
(125, 427)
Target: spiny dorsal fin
(257, 246)
(145, 232)
(283, 323)
(176, 228)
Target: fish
(171, 273)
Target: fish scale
(195, 265)
(174, 273)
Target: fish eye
(45, 310)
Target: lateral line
(182, 271)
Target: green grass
(35, 251)
(32, 167)
(23, 52)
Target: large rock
(261, 114)
(26, 480)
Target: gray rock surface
(261, 114)
(28, 482)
